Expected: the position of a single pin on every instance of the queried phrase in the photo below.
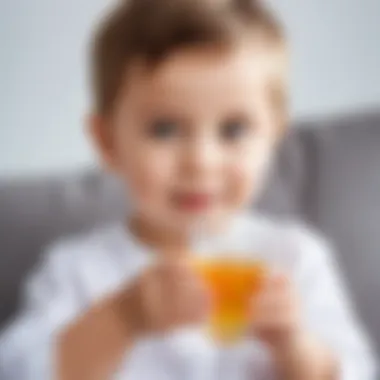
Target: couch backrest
(328, 172)
(342, 198)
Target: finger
(274, 324)
(152, 298)
(272, 319)
(276, 286)
(276, 281)
(281, 314)
(277, 314)
(173, 269)
(202, 300)
(193, 300)
(271, 302)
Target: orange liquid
(233, 283)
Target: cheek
(250, 172)
(147, 171)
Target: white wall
(43, 94)
(336, 46)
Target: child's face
(192, 139)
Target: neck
(163, 239)
(171, 241)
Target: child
(190, 103)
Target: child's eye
(233, 130)
(163, 129)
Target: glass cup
(233, 269)
(233, 281)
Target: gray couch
(328, 173)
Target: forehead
(199, 75)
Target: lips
(193, 202)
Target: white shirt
(78, 272)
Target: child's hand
(167, 296)
(276, 320)
(276, 313)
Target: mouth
(194, 202)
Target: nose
(202, 157)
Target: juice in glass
(233, 282)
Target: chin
(191, 221)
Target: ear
(99, 130)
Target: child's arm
(308, 324)
(55, 339)
(93, 347)
(306, 357)
(44, 343)
(334, 339)
(330, 315)
(276, 321)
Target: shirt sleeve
(27, 345)
(327, 309)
